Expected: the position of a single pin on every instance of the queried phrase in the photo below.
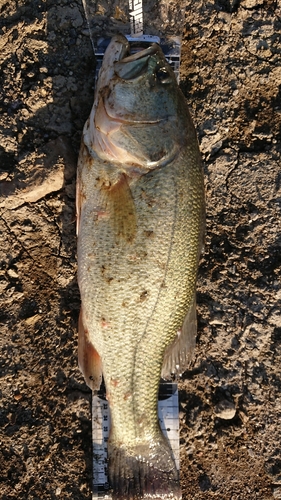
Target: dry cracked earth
(230, 399)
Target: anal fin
(179, 353)
(88, 358)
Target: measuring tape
(168, 414)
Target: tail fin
(146, 471)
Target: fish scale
(140, 224)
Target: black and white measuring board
(168, 414)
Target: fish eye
(162, 75)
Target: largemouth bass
(140, 217)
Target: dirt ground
(230, 400)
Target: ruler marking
(136, 17)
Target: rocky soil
(230, 402)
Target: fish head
(139, 118)
(143, 87)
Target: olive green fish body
(139, 239)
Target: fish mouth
(139, 54)
(135, 65)
(130, 65)
(125, 47)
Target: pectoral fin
(179, 354)
(88, 358)
(122, 210)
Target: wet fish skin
(140, 218)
